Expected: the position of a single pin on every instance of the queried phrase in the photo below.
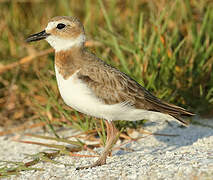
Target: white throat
(61, 44)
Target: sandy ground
(187, 156)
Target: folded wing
(113, 86)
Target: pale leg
(112, 134)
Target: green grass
(165, 45)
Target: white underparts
(77, 95)
(62, 44)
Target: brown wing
(113, 86)
(108, 84)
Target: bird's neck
(63, 44)
(69, 61)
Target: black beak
(38, 36)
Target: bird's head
(62, 33)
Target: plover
(90, 86)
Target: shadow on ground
(186, 136)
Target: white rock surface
(187, 156)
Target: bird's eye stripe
(60, 26)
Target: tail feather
(181, 120)
(173, 110)
(176, 112)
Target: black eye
(60, 26)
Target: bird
(91, 86)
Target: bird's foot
(99, 162)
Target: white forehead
(51, 25)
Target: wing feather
(113, 86)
